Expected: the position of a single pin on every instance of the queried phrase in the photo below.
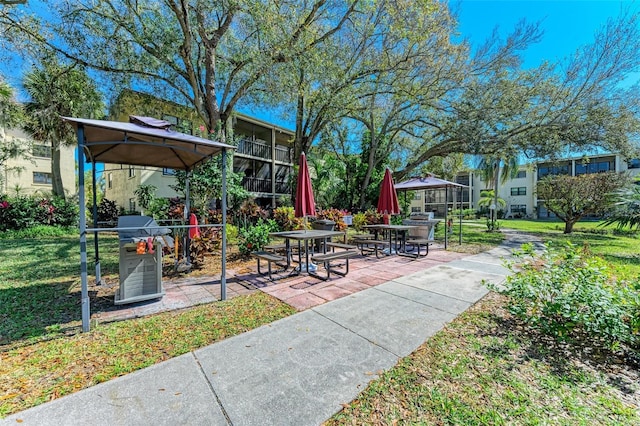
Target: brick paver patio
(302, 292)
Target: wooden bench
(363, 237)
(416, 243)
(371, 246)
(343, 246)
(327, 258)
(275, 247)
(269, 258)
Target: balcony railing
(254, 148)
(264, 186)
(256, 185)
(283, 154)
(283, 188)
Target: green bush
(38, 231)
(566, 292)
(359, 220)
(24, 212)
(286, 219)
(108, 211)
(232, 233)
(158, 208)
(255, 237)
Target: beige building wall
(32, 175)
(519, 192)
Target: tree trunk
(568, 226)
(57, 186)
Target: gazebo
(433, 182)
(143, 141)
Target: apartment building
(519, 191)
(263, 155)
(32, 174)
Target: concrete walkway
(295, 371)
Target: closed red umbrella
(305, 204)
(194, 229)
(388, 199)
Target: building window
(417, 195)
(634, 163)
(132, 204)
(416, 210)
(43, 151)
(594, 167)
(552, 170)
(519, 209)
(42, 178)
(521, 174)
(168, 172)
(110, 180)
(520, 190)
(132, 172)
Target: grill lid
(146, 227)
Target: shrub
(255, 237)
(232, 233)
(373, 217)
(24, 212)
(108, 211)
(286, 219)
(158, 208)
(359, 220)
(565, 291)
(334, 215)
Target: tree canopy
(395, 72)
(573, 197)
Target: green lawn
(620, 248)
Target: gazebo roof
(428, 182)
(143, 142)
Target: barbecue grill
(141, 241)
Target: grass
(619, 248)
(40, 285)
(484, 368)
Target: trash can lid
(325, 222)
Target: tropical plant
(626, 210)
(486, 201)
(145, 195)
(255, 237)
(56, 90)
(286, 219)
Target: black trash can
(322, 225)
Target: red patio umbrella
(305, 204)
(388, 199)
(194, 229)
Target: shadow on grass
(35, 311)
(585, 353)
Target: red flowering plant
(334, 215)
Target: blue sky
(567, 25)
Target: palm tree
(57, 90)
(627, 211)
(495, 170)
